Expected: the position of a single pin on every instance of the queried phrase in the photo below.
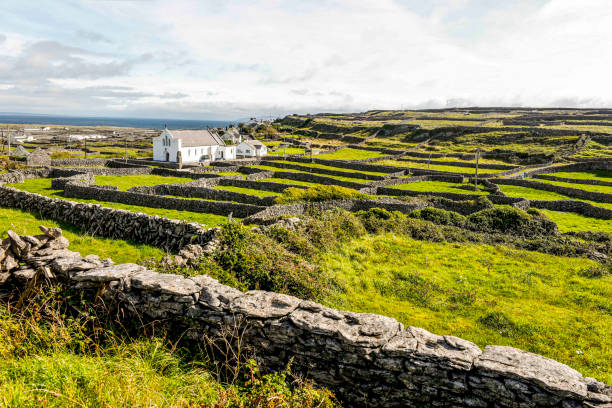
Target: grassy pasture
(289, 181)
(127, 182)
(324, 166)
(586, 187)
(437, 186)
(535, 194)
(438, 167)
(25, 223)
(251, 191)
(567, 221)
(603, 175)
(43, 187)
(486, 294)
(289, 150)
(350, 154)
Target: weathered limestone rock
(363, 329)
(108, 273)
(164, 283)
(264, 305)
(544, 372)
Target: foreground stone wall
(368, 360)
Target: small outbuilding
(20, 152)
(252, 148)
(38, 158)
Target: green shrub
(439, 216)
(378, 220)
(318, 193)
(256, 261)
(510, 221)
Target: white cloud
(230, 58)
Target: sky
(230, 59)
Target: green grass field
(287, 151)
(438, 167)
(43, 187)
(535, 194)
(585, 187)
(350, 154)
(486, 294)
(602, 175)
(251, 191)
(25, 223)
(437, 186)
(567, 221)
(289, 181)
(323, 166)
(127, 182)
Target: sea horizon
(141, 123)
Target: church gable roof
(194, 138)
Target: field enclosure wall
(368, 360)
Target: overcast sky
(228, 59)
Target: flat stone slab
(264, 305)
(164, 283)
(109, 273)
(214, 294)
(524, 366)
(363, 329)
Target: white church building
(191, 146)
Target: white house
(252, 148)
(193, 146)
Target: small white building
(21, 138)
(252, 148)
(193, 146)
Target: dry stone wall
(270, 214)
(573, 180)
(182, 190)
(109, 222)
(311, 169)
(368, 360)
(88, 192)
(569, 191)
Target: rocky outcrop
(367, 359)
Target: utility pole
(476, 177)
(125, 140)
(428, 161)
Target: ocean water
(120, 122)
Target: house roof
(255, 144)
(193, 138)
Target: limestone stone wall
(78, 162)
(89, 192)
(579, 207)
(368, 360)
(317, 170)
(569, 191)
(573, 180)
(109, 222)
(461, 164)
(183, 190)
(272, 213)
